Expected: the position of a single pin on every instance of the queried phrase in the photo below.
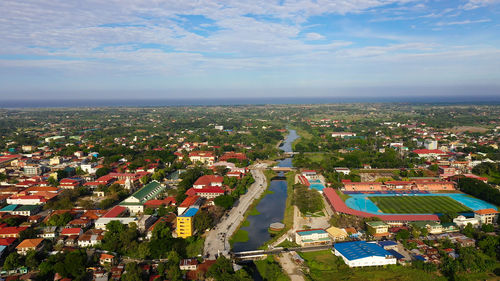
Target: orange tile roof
(486, 211)
(29, 243)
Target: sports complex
(403, 206)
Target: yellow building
(185, 223)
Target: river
(271, 207)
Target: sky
(62, 49)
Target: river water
(271, 207)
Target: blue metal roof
(190, 212)
(9, 208)
(396, 254)
(387, 243)
(360, 249)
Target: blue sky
(190, 49)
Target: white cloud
(462, 22)
(474, 4)
(312, 36)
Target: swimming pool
(361, 202)
(316, 184)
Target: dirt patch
(461, 129)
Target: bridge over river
(260, 254)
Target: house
(68, 183)
(27, 200)
(48, 232)
(309, 174)
(362, 253)
(208, 181)
(337, 234)
(205, 157)
(343, 134)
(157, 203)
(206, 192)
(71, 231)
(486, 216)
(429, 153)
(377, 228)
(11, 231)
(342, 170)
(188, 264)
(185, 223)
(28, 245)
(106, 259)
(462, 221)
(431, 226)
(89, 240)
(21, 210)
(312, 237)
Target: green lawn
(240, 236)
(326, 266)
(418, 204)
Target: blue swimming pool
(316, 184)
(362, 202)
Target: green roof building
(135, 202)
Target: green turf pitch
(418, 204)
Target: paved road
(217, 240)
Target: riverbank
(288, 215)
(241, 235)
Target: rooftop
(310, 232)
(486, 211)
(190, 212)
(360, 249)
(146, 190)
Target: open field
(324, 265)
(418, 204)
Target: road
(217, 240)
(290, 267)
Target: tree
(145, 179)
(222, 269)
(202, 221)
(143, 250)
(133, 272)
(32, 259)
(469, 231)
(13, 261)
(102, 171)
(489, 245)
(224, 201)
(403, 234)
(488, 227)
(60, 219)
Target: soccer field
(417, 204)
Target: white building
(462, 221)
(486, 216)
(430, 144)
(89, 168)
(101, 223)
(312, 237)
(362, 253)
(345, 171)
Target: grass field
(417, 204)
(324, 266)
